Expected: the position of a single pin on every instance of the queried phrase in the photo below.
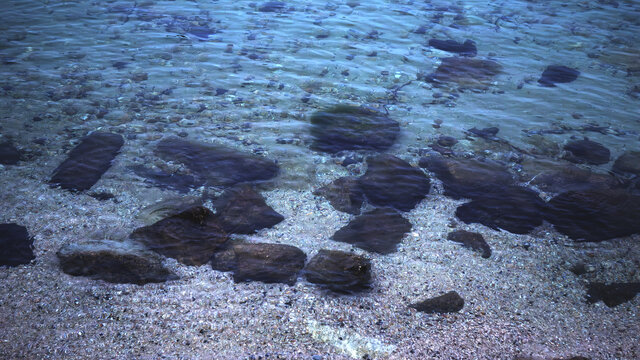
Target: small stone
(379, 231)
(446, 303)
(113, 261)
(447, 141)
(16, 246)
(273, 6)
(471, 240)
(339, 271)
(557, 74)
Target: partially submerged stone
(468, 48)
(447, 303)
(557, 74)
(345, 127)
(87, 162)
(190, 237)
(465, 72)
(113, 261)
(391, 181)
(9, 154)
(467, 178)
(339, 271)
(595, 214)
(516, 209)
(587, 151)
(629, 162)
(268, 263)
(471, 240)
(379, 230)
(217, 165)
(612, 294)
(344, 194)
(16, 246)
(243, 210)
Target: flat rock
(447, 303)
(16, 246)
(243, 210)
(191, 236)
(515, 209)
(268, 263)
(87, 162)
(612, 294)
(179, 182)
(273, 6)
(629, 162)
(344, 194)
(557, 74)
(346, 127)
(379, 230)
(217, 165)
(9, 154)
(467, 178)
(465, 72)
(595, 214)
(468, 48)
(471, 240)
(391, 181)
(559, 176)
(587, 151)
(339, 271)
(113, 261)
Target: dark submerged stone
(465, 72)
(344, 194)
(587, 151)
(242, 210)
(485, 133)
(447, 141)
(557, 74)
(339, 271)
(218, 165)
(629, 162)
(9, 154)
(16, 246)
(612, 294)
(379, 231)
(467, 178)
(268, 263)
(471, 240)
(113, 261)
(513, 208)
(178, 182)
(345, 127)
(595, 214)
(191, 236)
(273, 6)
(391, 181)
(446, 303)
(87, 162)
(468, 48)
(559, 177)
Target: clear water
(225, 72)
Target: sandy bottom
(523, 301)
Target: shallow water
(226, 73)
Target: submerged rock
(467, 178)
(379, 231)
(471, 240)
(242, 210)
(339, 271)
(216, 164)
(178, 182)
(269, 263)
(446, 303)
(166, 208)
(87, 162)
(485, 133)
(9, 154)
(595, 214)
(113, 261)
(391, 181)
(465, 72)
(587, 151)
(344, 194)
(16, 246)
(559, 177)
(557, 74)
(612, 294)
(516, 209)
(273, 6)
(629, 162)
(191, 236)
(345, 127)
(468, 48)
